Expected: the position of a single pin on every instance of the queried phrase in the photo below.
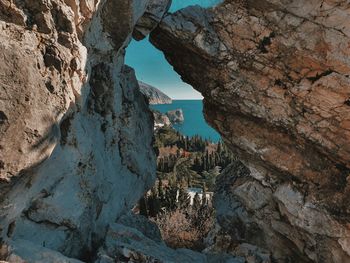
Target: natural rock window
(77, 143)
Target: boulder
(160, 119)
(176, 116)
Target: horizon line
(187, 99)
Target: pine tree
(170, 197)
(178, 154)
(204, 197)
(160, 191)
(207, 159)
(183, 199)
(143, 206)
(219, 149)
(153, 204)
(196, 202)
(166, 164)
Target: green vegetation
(189, 162)
(184, 163)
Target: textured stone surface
(160, 119)
(127, 244)
(75, 132)
(154, 95)
(130, 243)
(76, 136)
(142, 224)
(23, 251)
(275, 78)
(154, 13)
(175, 116)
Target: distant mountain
(154, 95)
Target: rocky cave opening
(275, 80)
(242, 86)
(180, 203)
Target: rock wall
(154, 95)
(75, 132)
(275, 78)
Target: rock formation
(160, 119)
(153, 14)
(136, 239)
(75, 132)
(176, 116)
(154, 95)
(275, 78)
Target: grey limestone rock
(154, 95)
(155, 11)
(75, 131)
(274, 75)
(176, 116)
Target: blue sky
(151, 66)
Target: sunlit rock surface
(160, 119)
(154, 95)
(75, 132)
(275, 78)
(135, 239)
(176, 116)
(154, 13)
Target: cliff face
(75, 132)
(160, 119)
(275, 77)
(176, 116)
(154, 95)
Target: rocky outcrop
(128, 242)
(75, 132)
(154, 13)
(154, 95)
(275, 79)
(176, 116)
(160, 119)
(131, 245)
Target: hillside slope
(154, 95)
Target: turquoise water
(194, 121)
(178, 4)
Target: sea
(194, 123)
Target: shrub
(186, 227)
